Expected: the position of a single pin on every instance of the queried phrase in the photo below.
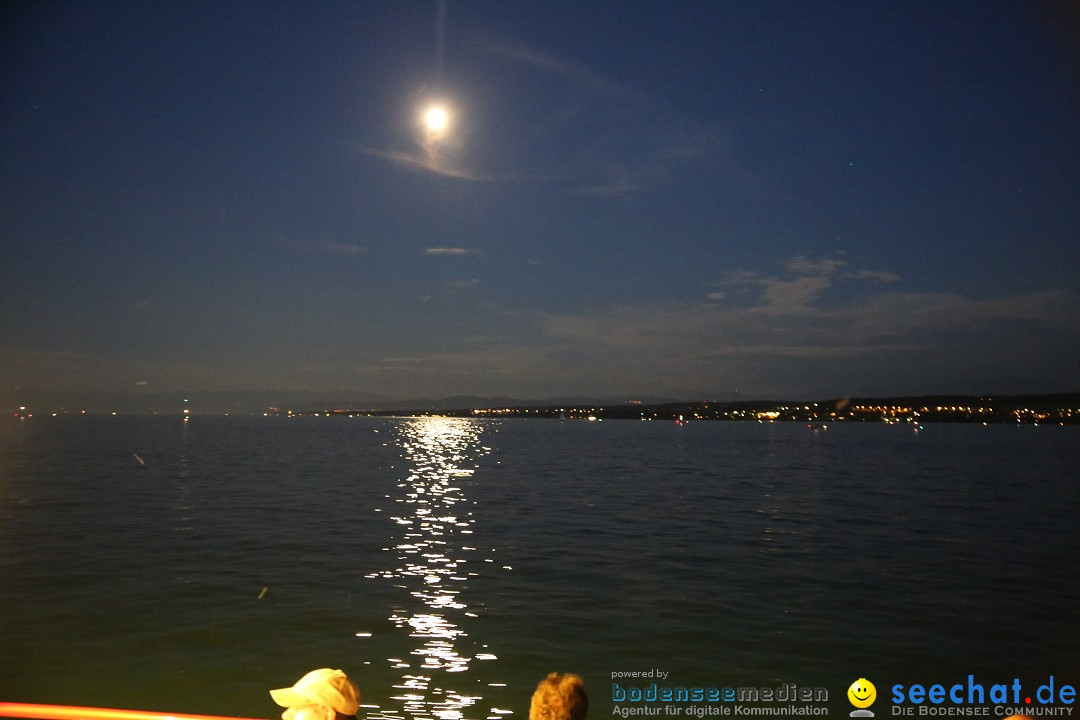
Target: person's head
(560, 696)
(322, 694)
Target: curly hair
(560, 696)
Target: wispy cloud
(425, 162)
(891, 342)
(598, 133)
(802, 265)
(626, 140)
(618, 181)
(806, 280)
(326, 247)
(69, 373)
(876, 275)
(577, 72)
(453, 251)
(818, 327)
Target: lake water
(447, 565)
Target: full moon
(436, 119)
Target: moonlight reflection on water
(432, 555)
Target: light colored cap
(331, 688)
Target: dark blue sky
(688, 199)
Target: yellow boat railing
(72, 712)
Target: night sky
(691, 200)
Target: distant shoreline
(1058, 409)
(1025, 409)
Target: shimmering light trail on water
(431, 557)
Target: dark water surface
(449, 564)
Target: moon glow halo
(436, 120)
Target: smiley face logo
(862, 693)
